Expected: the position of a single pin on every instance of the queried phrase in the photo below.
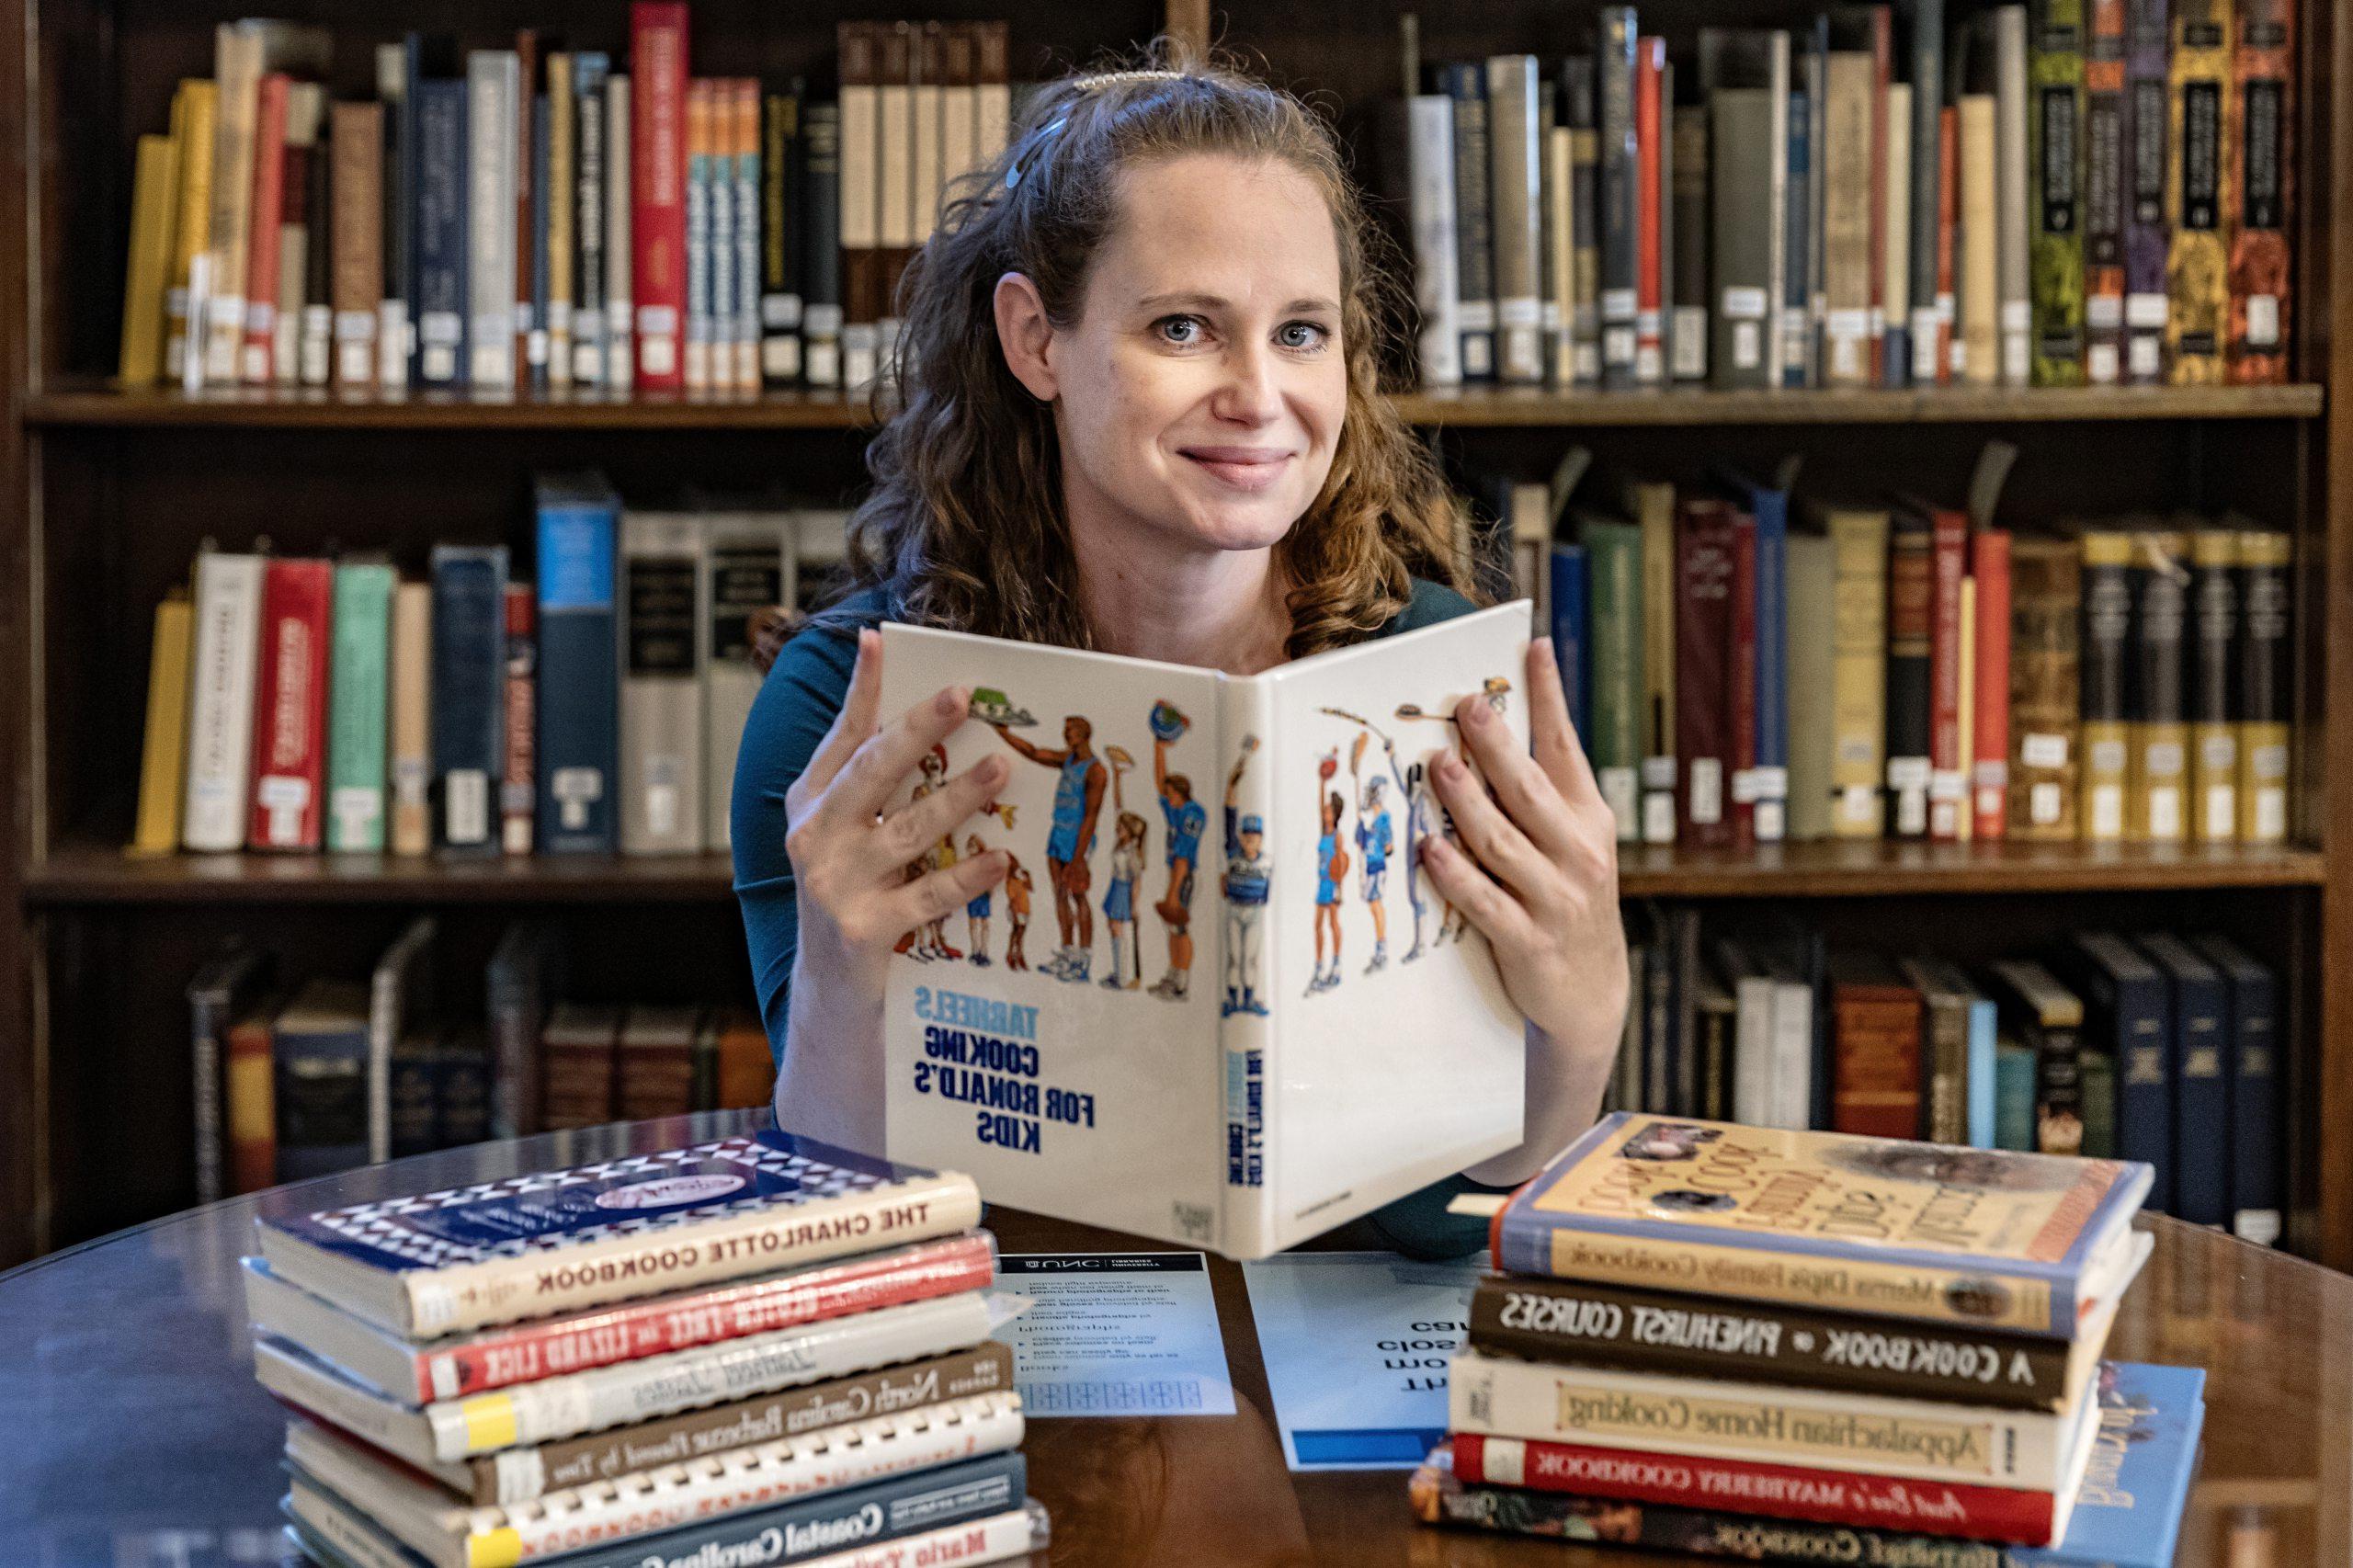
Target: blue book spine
(2143, 1459)
(2014, 1097)
(1571, 607)
(2200, 1081)
(579, 693)
(2129, 1014)
(320, 1068)
(1772, 510)
(1798, 228)
(2252, 1009)
(469, 694)
(441, 239)
(1983, 1073)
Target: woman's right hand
(850, 858)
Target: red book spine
(1948, 747)
(290, 706)
(1990, 772)
(1703, 581)
(1882, 54)
(1743, 1486)
(1650, 282)
(1741, 684)
(627, 1333)
(1948, 234)
(262, 246)
(658, 87)
(1875, 1060)
(518, 790)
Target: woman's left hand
(1541, 877)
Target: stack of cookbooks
(1812, 1346)
(759, 1349)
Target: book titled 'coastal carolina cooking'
(556, 1241)
(1193, 1011)
(2030, 1243)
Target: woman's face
(1199, 393)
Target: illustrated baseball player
(1248, 874)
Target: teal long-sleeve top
(797, 705)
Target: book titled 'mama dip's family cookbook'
(555, 1241)
(2031, 1243)
(1216, 1000)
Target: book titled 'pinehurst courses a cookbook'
(1990, 1239)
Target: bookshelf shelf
(104, 406)
(92, 874)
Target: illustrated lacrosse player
(1184, 817)
(1331, 870)
(1078, 798)
(1247, 872)
(976, 911)
(1374, 842)
(1127, 870)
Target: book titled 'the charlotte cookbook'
(1216, 1000)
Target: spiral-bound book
(1193, 1011)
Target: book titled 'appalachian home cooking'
(1999, 1239)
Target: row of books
(534, 217)
(298, 1081)
(1747, 664)
(782, 1356)
(2155, 1047)
(2079, 191)
(306, 703)
(1819, 1347)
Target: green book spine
(2099, 1105)
(2055, 159)
(356, 706)
(2014, 1098)
(1614, 559)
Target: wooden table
(134, 1436)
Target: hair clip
(1013, 174)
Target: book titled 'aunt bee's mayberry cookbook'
(1216, 999)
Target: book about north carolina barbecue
(1930, 1231)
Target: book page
(1057, 1037)
(1397, 1059)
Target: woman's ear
(1023, 331)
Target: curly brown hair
(965, 528)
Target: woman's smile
(1248, 468)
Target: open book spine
(1246, 950)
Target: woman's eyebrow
(1217, 302)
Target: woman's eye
(1301, 334)
(1182, 331)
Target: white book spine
(1753, 1099)
(1438, 292)
(1516, 205)
(492, 76)
(220, 700)
(2011, 226)
(665, 653)
(1249, 980)
(650, 1501)
(1919, 1439)
(299, 1379)
(389, 991)
(619, 355)
(372, 1353)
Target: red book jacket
(1989, 792)
(290, 705)
(1651, 118)
(1874, 1049)
(659, 189)
(267, 213)
(1948, 747)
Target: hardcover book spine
(1652, 219)
(493, 90)
(702, 197)
(412, 726)
(2265, 562)
(1911, 610)
(516, 788)
(746, 102)
(858, 187)
(1585, 216)
(2210, 645)
(1653, 1331)
(525, 188)
(588, 222)
(578, 781)
(1687, 338)
(1980, 337)
(520, 1475)
(2014, 110)
(657, 189)
(1430, 157)
(561, 246)
(1741, 693)
(314, 338)
(1948, 745)
(1810, 686)
(1494, 1397)
(358, 241)
(228, 612)
(2154, 808)
(661, 705)
(1945, 1022)
(250, 1088)
(1990, 745)
(1514, 211)
(1744, 154)
(162, 762)
(2200, 1081)
(1930, 328)
(290, 706)
(780, 194)
(1614, 553)
(397, 73)
(359, 709)
(2055, 70)
(1947, 267)
(1846, 221)
(1251, 974)
(1703, 630)
(1654, 507)
(1473, 221)
(1880, 44)
(2197, 193)
(195, 108)
(2046, 610)
(441, 244)
(1560, 345)
(1983, 1513)
(2262, 126)
(2106, 716)
(1891, 316)
(2147, 51)
(1859, 672)
(822, 247)
(1801, 255)
(901, 72)
(1875, 1060)
(747, 567)
(2255, 1143)
(305, 106)
(266, 205)
(237, 70)
(1619, 292)
(1769, 774)
(2106, 204)
(620, 231)
(469, 695)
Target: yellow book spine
(2200, 168)
(2213, 739)
(1858, 672)
(165, 755)
(153, 207)
(2265, 561)
(192, 127)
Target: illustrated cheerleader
(1331, 869)
(1185, 818)
(1118, 905)
(976, 912)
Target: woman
(1139, 414)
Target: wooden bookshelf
(104, 493)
